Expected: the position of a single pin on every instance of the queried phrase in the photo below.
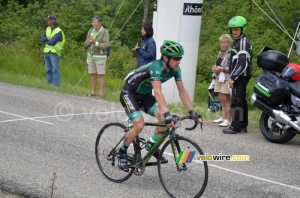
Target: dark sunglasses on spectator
(177, 58)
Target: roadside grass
(26, 68)
(4, 194)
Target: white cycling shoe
(225, 123)
(218, 120)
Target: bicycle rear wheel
(108, 142)
(182, 176)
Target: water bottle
(153, 139)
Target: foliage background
(22, 24)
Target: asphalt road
(44, 133)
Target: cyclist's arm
(184, 96)
(159, 97)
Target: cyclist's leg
(129, 101)
(150, 106)
(159, 115)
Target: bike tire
(190, 182)
(274, 134)
(108, 138)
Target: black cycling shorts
(134, 103)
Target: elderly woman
(96, 44)
(221, 71)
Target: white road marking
(255, 177)
(245, 174)
(25, 118)
(52, 116)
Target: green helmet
(238, 22)
(171, 48)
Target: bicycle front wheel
(108, 142)
(183, 175)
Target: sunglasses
(176, 58)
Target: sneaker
(226, 123)
(163, 159)
(123, 165)
(218, 120)
(230, 130)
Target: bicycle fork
(176, 152)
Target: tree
(146, 11)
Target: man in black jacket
(241, 57)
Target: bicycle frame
(149, 154)
(164, 134)
(159, 142)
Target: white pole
(180, 21)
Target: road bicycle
(184, 174)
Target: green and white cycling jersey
(140, 79)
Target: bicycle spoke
(107, 141)
(190, 179)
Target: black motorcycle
(277, 95)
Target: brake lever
(201, 126)
(195, 125)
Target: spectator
(221, 70)
(54, 38)
(240, 75)
(97, 42)
(147, 52)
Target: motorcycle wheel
(272, 132)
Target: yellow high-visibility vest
(58, 47)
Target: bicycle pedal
(164, 162)
(151, 164)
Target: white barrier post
(180, 21)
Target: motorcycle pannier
(271, 88)
(272, 60)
